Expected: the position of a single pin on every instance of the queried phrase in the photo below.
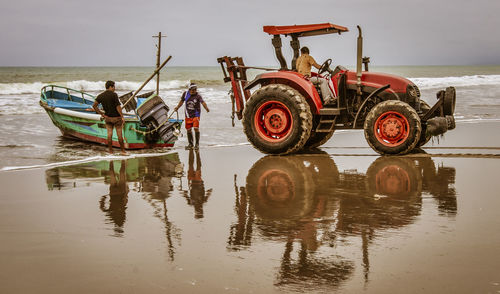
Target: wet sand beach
(232, 220)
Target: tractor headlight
(413, 95)
(412, 92)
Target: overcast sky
(118, 33)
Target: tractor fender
(294, 80)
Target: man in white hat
(192, 111)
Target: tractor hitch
(235, 71)
(236, 74)
(439, 119)
(444, 106)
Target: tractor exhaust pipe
(359, 61)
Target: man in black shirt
(112, 114)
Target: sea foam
(463, 81)
(88, 86)
(96, 86)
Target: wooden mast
(158, 62)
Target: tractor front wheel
(277, 119)
(392, 127)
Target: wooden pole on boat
(147, 81)
(158, 62)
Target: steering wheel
(325, 66)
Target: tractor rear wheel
(392, 127)
(277, 119)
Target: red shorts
(192, 122)
(194, 175)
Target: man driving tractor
(304, 64)
(286, 113)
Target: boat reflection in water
(150, 176)
(146, 174)
(306, 203)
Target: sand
(342, 219)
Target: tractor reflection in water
(305, 201)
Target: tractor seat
(338, 69)
(331, 103)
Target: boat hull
(89, 129)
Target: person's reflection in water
(118, 198)
(197, 194)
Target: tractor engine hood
(377, 80)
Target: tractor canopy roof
(305, 30)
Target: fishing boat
(148, 126)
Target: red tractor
(287, 112)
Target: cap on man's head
(192, 86)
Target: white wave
(463, 81)
(88, 86)
(121, 86)
(13, 104)
(22, 104)
(20, 88)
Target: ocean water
(28, 136)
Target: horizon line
(271, 66)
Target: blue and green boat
(148, 126)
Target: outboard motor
(154, 113)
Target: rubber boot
(197, 136)
(190, 140)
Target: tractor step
(325, 125)
(329, 111)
